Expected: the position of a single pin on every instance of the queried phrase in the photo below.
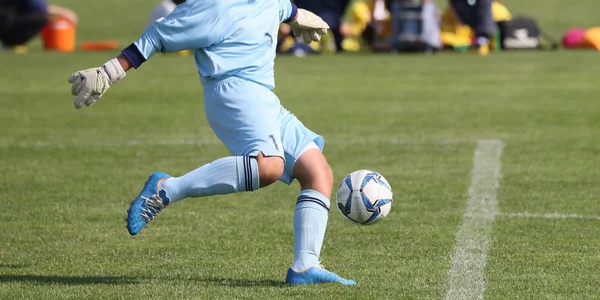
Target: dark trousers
(17, 27)
(478, 16)
(331, 11)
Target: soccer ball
(364, 197)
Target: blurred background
(358, 25)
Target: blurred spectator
(478, 15)
(358, 18)
(21, 20)
(459, 36)
(416, 22)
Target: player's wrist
(293, 15)
(133, 55)
(113, 70)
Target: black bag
(411, 31)
(523, 33)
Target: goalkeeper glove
(309, 26)
(90, 84)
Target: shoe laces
(322, 267)
(154, 205)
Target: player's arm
(304, 23)
(185, 28)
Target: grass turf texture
(68, 177)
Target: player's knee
(327, 176)
(319, 179)
(324, 175)
(314, 172)
(270, 169)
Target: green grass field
(67, 176)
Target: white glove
(309, 26)
(89, 85)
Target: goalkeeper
(234, 43)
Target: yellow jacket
(456, 34)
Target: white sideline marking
(549, 216)
(209, 142)
(466, 278)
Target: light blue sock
(223, 176)
(310, 222)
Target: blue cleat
(147, 204)
(315, 275)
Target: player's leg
(24, 27)
(240, 114)
(310, 220)
(484, 26)
(333, 12)
(464, 11)
(225, 176)
(305, 162)
(478, 15)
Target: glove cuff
(297, 19)
(113, 70)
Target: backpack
(412, 27)
(415, 27)
(523, 33)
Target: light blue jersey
(234, 43)
(230, 37)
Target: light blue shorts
(248, 118)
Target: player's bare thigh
(270, 169)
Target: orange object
(99, 45)
(592, 38)
(59, 35)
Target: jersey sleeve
(287, 11)
(192, 25)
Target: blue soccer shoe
(147, 204)
(315, 275)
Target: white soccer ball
(364, 197)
